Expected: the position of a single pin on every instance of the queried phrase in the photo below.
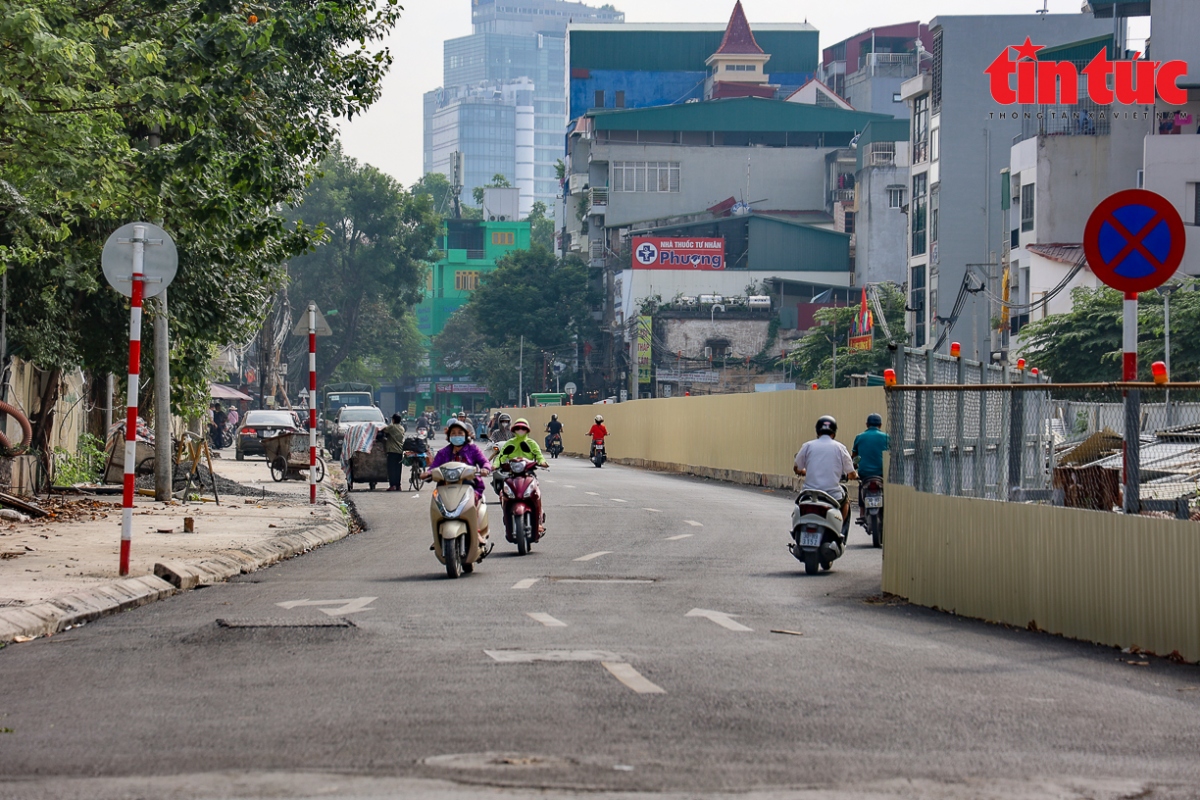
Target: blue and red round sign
(1135, 241)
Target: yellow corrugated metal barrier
(747, 438)
(1101, 577)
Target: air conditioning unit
(708, 353)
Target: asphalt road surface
(660, 640)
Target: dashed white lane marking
(604, 580)
(568, 486)
(351, 606)
(526, 583)
(653, 510)
(546, 619)
(616, 500)
(530, 656)
(694, 524)
(724, 620)
(629, 676)
(591, 556)
(593, 494)
(680, 536)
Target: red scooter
(519, 496)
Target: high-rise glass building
(513, 40)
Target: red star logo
(1028, 50)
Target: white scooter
(818, 530)
(456, 516)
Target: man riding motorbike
(521, 446)
(824, 463)
(598, 431)
(553, 428)
(868, 450)
(463, 451)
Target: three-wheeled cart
(287, 455)
(369, 468)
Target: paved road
(651, 691)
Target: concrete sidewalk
(62, 570)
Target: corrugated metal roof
(1070, 254)
(739, 39)
(754, 114)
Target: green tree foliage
(812, 359)
(370, 268)
(541, 228)
(1085, 345)
(242, 100)
(498, 182)
(436, 187)
(531, 294)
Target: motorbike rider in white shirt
(824, 463)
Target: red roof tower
(739, 39)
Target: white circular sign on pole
(160, 260)
(570, 389)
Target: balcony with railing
(597, 200)
(881, 154)
(892, 65)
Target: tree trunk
(43, 422)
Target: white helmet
(599, 418)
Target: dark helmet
(874, 421)
(827, 426)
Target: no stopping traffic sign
(1134, 241)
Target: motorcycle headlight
(456, 513)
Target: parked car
(262, 424)
(352, 415)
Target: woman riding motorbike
(463, 451)
(521, 446)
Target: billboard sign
(679, 253)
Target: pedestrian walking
(393, 438)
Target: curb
(169, 578)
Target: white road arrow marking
(526, 583)
(343, 606)
(724, 620)
(694, 524)
(629, 676)
(546, 619)
(680, 536)
(591, 556)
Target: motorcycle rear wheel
(450, 553)
(875, 525)
(812, 563)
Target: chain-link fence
(1051, 443)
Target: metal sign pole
(312, 403)
(1133, 433)
(131, 415)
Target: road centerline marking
(593, 494)
(525, 583)
(722, 619)
(546, 619)
(694, 524)
(633, 679)
(592, 556)
(653, 510)
(617, 500)
(559, 656)
(680, 536)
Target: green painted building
(470, 249)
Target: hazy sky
(389, 135)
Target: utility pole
(521, 376)
(163, 466)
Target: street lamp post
(1166, 290)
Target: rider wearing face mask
(521, 446)
(463, 451)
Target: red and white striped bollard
(312, 403)
(131, 414)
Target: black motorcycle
(555, 446)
